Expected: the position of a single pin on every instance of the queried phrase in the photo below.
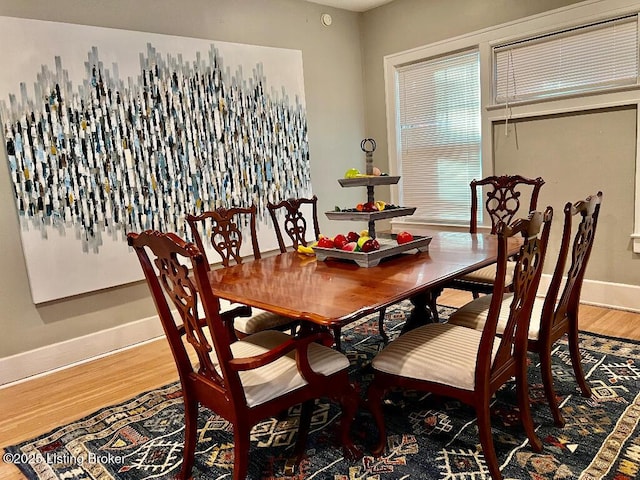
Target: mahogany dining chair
(294, 223)
(467, 364)
(244, 381)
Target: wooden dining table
(333, 293)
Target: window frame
(484, 41)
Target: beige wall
(575, 154)
(333, 89)
(578, 155)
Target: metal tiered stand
(388, 245)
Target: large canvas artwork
(109, 131)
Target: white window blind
(439, 135)
(579, 60)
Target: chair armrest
(228, 317)
(300, 345)
(239, 311)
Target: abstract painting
(110, 131)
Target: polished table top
(336, 292)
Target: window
(578, 60)
(439, 135)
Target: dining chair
(223, 227)
(502, 201)
(467, 364)
(243, 381)
(552, 318)
(294, 223)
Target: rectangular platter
(368, 180)
(388, 248)
(367, 216)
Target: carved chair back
(502, 198)
(294, 224)
(168, 276)
(223, 227)
(554, 314)
(526, 278)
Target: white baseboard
(47, 359)
(619, 296)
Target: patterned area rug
(429, 437)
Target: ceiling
(353, 5)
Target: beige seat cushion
(474, 315)
(281, 376)
(488, 274)
(258, 321)
(439, 353)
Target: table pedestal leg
(425, 309)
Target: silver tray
(367, 216)
(388, 248)
(368, 180)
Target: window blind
(587, 58)
(439, 135)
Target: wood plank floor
(36, 406)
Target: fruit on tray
(305, 250)
(352, 242)
(376, 171)
(339, 241)
(352, 173)
(379, 206)
(362, 239)
(371, 245)
(352, 237)
(350, 247)
(326, 242)
(404, 237)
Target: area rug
(429, 437)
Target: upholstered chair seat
(442, 353)
(258, 320)
(474, 315)
(487, 275)
(282, 376)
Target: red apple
(340, 241)
(370, 245)
(369, 207)
(325, 242)
(350, 247)
(404, 237)
(352, 237)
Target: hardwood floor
(36, 406)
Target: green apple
(362, 239)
